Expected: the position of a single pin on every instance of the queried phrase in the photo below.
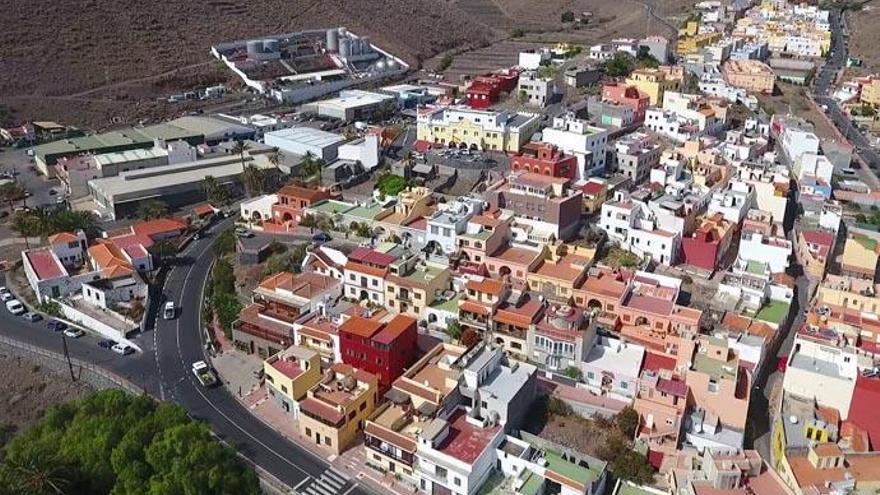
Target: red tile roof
(465, 441)
(656, 362)
(160, 226)
(45, 264)
(361, 327)
(288, 367)
(592, 188)
(676, 388)
(818, 237)
(321, 410)
(369, 256)
(863, 408)
(62, 238)
(394, 329)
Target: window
(284, 389)
(327, 441)
(363, 406)
(308, 432)
(457, 481)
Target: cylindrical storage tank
(380, 66)
(392, 64)
(254, 47)
(332, 40)
(345, 47)
(270, 46)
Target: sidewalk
(351, 463)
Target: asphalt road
(163, 369)
(823, 86)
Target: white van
(15, 307)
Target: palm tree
(27, 225)
(239, 149)
(276, 157)
(214, 192)
(33, 472)
(253, 180)
(152, 209)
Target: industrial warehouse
(302, 66)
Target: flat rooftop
(465, 441)
(307, 136)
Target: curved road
(163, 369)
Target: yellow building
(563, 268)
(859, 258)
(847, 293)
(594, 191)
(476, 129)
(751, 75)
(692, 44)
(653, 82)
(871, 93)
(691, 28)
(333, 411)
(411, 286)
(290, 374)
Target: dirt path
(26, 391)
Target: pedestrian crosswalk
(331, 482)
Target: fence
(97, 377)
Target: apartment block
(382, 348)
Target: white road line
(346, 492)
(301, 483)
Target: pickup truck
(204, 374)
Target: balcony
(389, 450)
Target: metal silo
(332, 40)
(255, 47)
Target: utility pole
(67, 356)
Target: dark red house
(484, 90)
(708, 244)
(384, 349)
(545, 159)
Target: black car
(106, 343)
(321, 237)
(56, 326)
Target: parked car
(6, 296)
(32, 317)
(74, 333)
(321, 237)
(204, 374)
(15, 307)
(3, 289)
(56, 326)
(106, 343)
(123, 349)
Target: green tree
(620, 65)
(254, 180)
(445, 62)
(70, 221)
(286, 261)
(216, 194)
(391, 185)
(223, 276)
(627, 421)
(574, 373)
(112, 442)
(646, 60)
(567, 16)
(225, 243)
(152, 209)
(309, 221)
(26, 225)
(275, 157)
(453, 330)
(164, 249)
(227, 307)
(240, 148)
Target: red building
(484, 90)
(708, 244)
(293, 199)
(545, 159)
(630, 96)
(384, 349)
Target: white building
(532, 59)
(364, 150)
(775, 251)
(795, 142)
(579, 138)
(634, 227)
(258, 209)
(821, 369)
(813, 164)
(733, 202)
(535, 90)
(303, 140)
(612, 368)
(771, 184)
(446, 223)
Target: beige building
(289, 376)
(412, 285)
(654, 82)
(751, 75)
(333, 412)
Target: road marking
(301, 483)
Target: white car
(74, 333)
(15, 307)
(122, 349)
(3, 289)
(6, 296)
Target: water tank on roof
(270, 46)
(345, 47)
(332, 40)
(255, 47)
(392, 64)
(380, 66)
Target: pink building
(631, 96)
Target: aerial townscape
(533, 256)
